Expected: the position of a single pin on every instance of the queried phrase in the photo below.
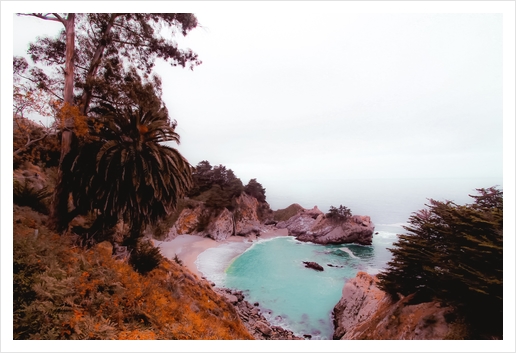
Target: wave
(385, 235)
(399, 224)
(346, 250)
(213, 262)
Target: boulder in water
(314, 265)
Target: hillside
(63, 291)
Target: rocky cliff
(366, 312)
(312, 225)
(243, 220)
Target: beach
(188, 247)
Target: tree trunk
(95, 62)
(61, 194)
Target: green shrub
(145, 257)
(340, 214)
(255, 189)
(178, 260)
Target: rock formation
(366, 312)
(246, 216)
(222, 227)
(314, 265)
(189, 220)
(313, 226)
(254, 321)
(244, 220)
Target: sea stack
(311, 225)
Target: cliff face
(306, 224)
(312, 225)
(243, 220)
(366, 312)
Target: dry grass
(285, 213)
(65, 292)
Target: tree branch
(29, 141)
(45, 16)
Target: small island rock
(314, 265)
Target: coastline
(188, 247)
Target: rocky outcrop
(366, 312)
(246, 216)
(189, 220)
(313, 226)
(244, 220)
(253, 319)
(313, 265)
(222, 226)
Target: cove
(297, 298)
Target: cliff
(243, 220)
(309, 225)
(366, 312)
(313, 226)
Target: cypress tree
(454, 254)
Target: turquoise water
(272, 273)
(301, 299)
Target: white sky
(340, 90)
(286, 92)
(343, 95)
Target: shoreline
(188, 247)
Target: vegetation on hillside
(104, 58)
(62, 291)
(34, 143)
(454, 254)
(338, 215)
(114, 176)
(284, 214)
(218, 186)
(256, 190)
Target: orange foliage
(69, 116)
(111, 301)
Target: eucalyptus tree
(94, 51)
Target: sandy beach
(188, 247)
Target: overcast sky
(299, 91)
(286, 92)
(303, 95)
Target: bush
(454, 254)
(145, 257)
(255, 189)
(339, 215)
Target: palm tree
(128, 173)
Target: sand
(188, 247)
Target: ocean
(271, 272)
